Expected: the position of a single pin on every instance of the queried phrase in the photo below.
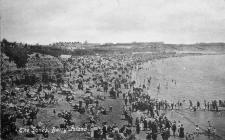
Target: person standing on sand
(205, 105)
(145, 124)
(198, 105)
(174, 128)
(179, 125)
(104, 130)
(138, 128)
(190, 104)
(154, 130)
(181, 131)
(137, 123)
(208, 105)
(126, 100)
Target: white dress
(141, 126)
(92, 132)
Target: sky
(104, 21)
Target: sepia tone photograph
(112, 69)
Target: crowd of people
(96, 78)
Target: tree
(18, 55)
(4, 42)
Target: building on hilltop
(68, 45)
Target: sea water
(190, 77)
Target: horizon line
(114, 43)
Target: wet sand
(197, 78)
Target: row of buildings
(67, 45)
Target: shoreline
(186, 118)
(46, 113)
